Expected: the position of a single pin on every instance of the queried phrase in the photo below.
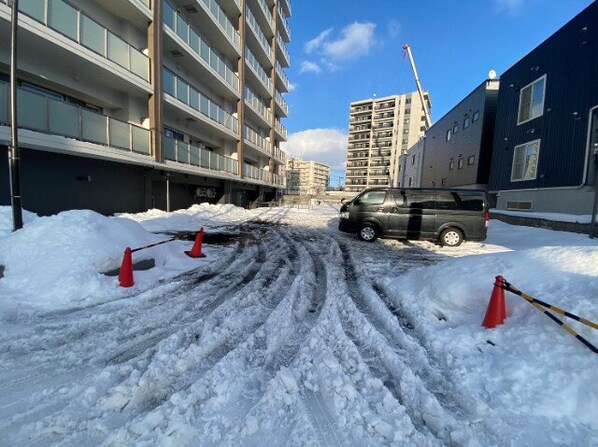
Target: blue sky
(347, 50)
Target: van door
(369, 207)
(414, 216)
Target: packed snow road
(286, 339)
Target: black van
(448, 216)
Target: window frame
(525, 179)
(531, 85)
(475, 116)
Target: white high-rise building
(380, 130)
(132, 104)
(306, 177)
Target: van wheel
(368, 233)
(451, 237)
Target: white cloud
(394, 28)
(309, 67)
(353, 41)
(292, 87)
(327, 146)
(317, 41)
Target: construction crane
(425, 103)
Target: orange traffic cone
(496, 314)
(196, 250)
(125, 276)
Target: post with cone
(125, 276)
(196, 250)
(496, 314)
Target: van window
(415, 200)
(373, 198)
(451, 200)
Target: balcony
(280, 129)
(284, 25)
(286, 4)
(258, 107)
(180, 152)
(283, 54)
(41, 113)
(256, 141)
(71, 23)
(280, 102)
(210, 61)
(261, 39)
(258, 72)
(383, 106)
(254, 173)
(200, 105)
(266, 16)
(220, 23)
(282, 77)
(279, 155)
(361, 109)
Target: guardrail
(52, 116)
(181, 152)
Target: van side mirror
(343, 201)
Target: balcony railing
(258, 32)
(72, 23)
(266, 10)
(282, 76)
(257, 69)
(254, 101)
(52, 116)
(253, 137)
(280, 128)
(224, 22)
(256, 173)
(177, 23)
(283, 19)
(283, 48)
(278, 180)
(185, 153)
(281, 102)
(280, 155)
(181, 90)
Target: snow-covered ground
(291, 334)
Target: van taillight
(487, 219)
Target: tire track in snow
(430, 408)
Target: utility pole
(13, 150)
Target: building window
(410, 181)
(471, 160)
(455, 128)
(525, 161)
(169, 133)
(443, 182)
(413, 159)
(531, 100)
(476, 116)
(451, 165)
(407, 111)
(466, 122)
(449, 134)
(460, 164)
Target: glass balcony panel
(168, 82)
(182, 91)
(93, 127)
(62, 17)
(169, 16)
(119, 134)
(118, 50)
(182, 29)
(141, 140)
(31, 112)
(205, 159)
(139, 64)
(34, 8)
(194, 99)
(170, 149)
(182, 152)
(93, 35)
(204, 105)
(194, 155)
(63, 118)
(194, 40)
(205, 51)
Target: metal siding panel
(569, 58)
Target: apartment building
(380, 130)
(306, 177)
(126, 105)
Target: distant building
(458, 147)
(306, 177)
(411, 165)
(546, 135)
(380, 130)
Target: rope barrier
(152, 245)
(540, 305)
